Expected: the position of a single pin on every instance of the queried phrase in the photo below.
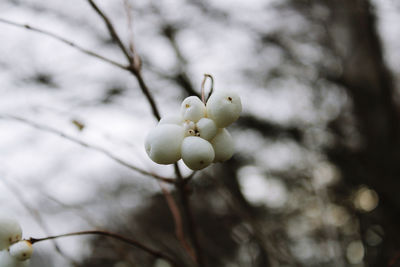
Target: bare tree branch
(63, 40)
(134, 61)
(119, 237)
(111, 30)
(147, 93)
(179, 230)
(187, 214)
(87, 145)
(180, 183)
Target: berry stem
(202, 87)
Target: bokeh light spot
(366, 199)
(355, 252)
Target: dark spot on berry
(187, 105)
(201, 162)
(230, 99)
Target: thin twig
(82, 212)
(87, 145)
(111, 30)
(155, 253)
(187, 214)
(79, 210)
(136, 62)
(128, 10)
(178, 222)
(64, 40)
(147, 93)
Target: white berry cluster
(14, 252)
(197, 134)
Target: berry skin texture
(224, 108)
(206, 128)
(197, 153)
(6, 260)
(171, 119)
(22, 250)
(163, 143)
(223, 145)
(10, 231)
(193, 109)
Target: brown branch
(134, 61)
(128, 10)
(63, 40)
(155, 253)
(111, 30)
(82, 212)
(179, 230)
(87, 145)
(187, 214)
(146, 92)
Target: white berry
(6, 260)
(171, 119)
(193, 109)
(224, 108)
(223, 145)
(206, 128)
(197, 153)
(163, 143)
(10, 231)
(22, 250)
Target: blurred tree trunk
(374, 161)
